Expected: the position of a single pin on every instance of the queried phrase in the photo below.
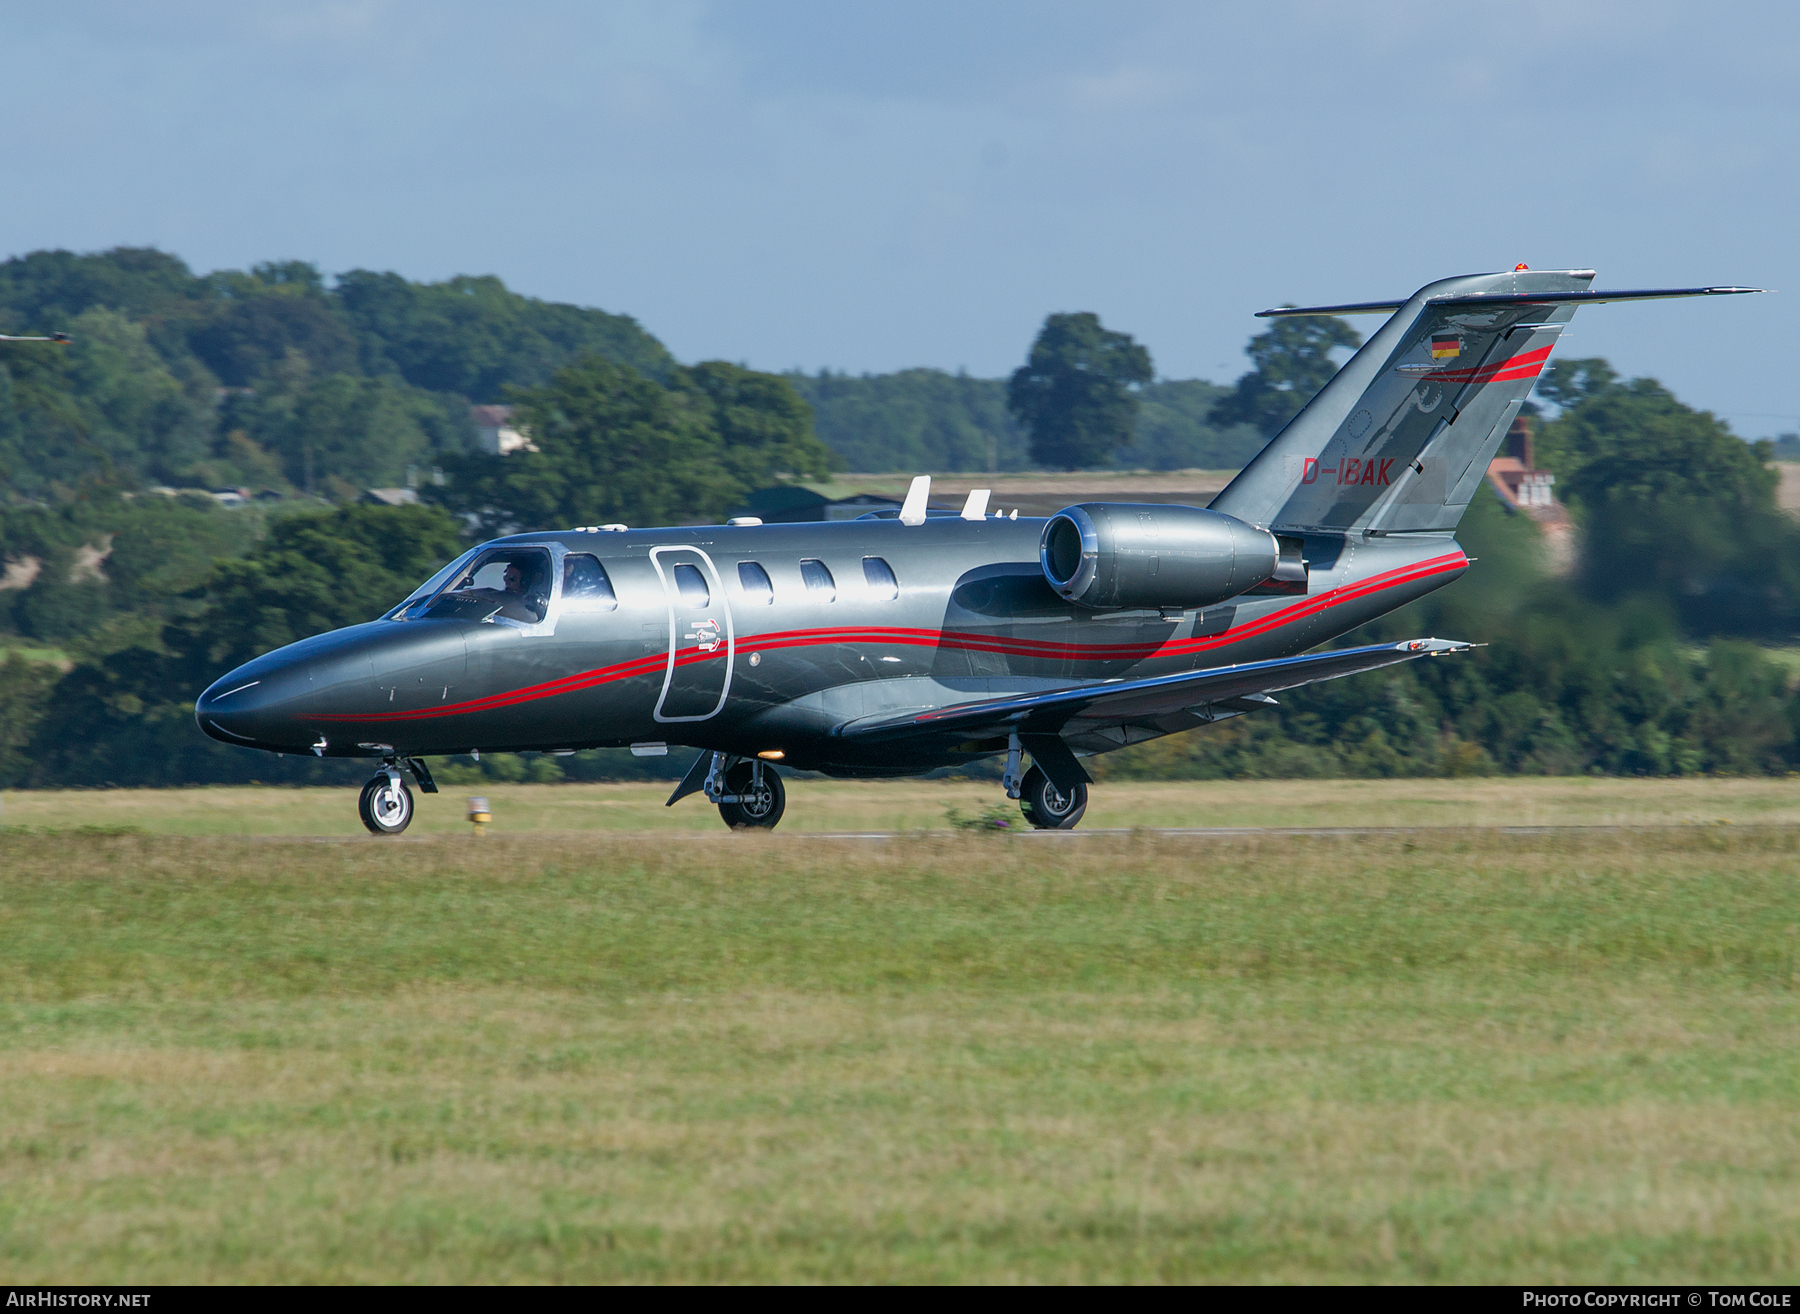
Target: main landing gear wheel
(1044, 807)
(763, 804)
(386, 805)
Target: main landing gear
(753, 798)
(748, 791)
(1044, 806)
(386, 805)
(1047, 809)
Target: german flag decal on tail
(1446, 346)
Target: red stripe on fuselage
(954, 640)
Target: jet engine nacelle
(1109, 556)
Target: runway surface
(1318, 831)
(1198, 832)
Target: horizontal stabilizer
(1515, 299)
(1120, 701)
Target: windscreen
(431, 586)
(505, 583)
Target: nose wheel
(1047, 809)
(386, 805)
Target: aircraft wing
(1042, 717)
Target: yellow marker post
(480, 815)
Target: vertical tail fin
(1402, 435)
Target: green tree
(1572, 380)
(150, 423)
(314, 573)
(249, 335)
(336, 433)
(474, 337)
(612, 446)
(1672, 505)
(25, 688)
(1292, 362)
(47, 289)
(128, 718)
(1174, 431)
(912, 420)
(766, 427)
(1077, 393)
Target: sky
(870, 186)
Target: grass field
(816, 806)
(1447, 1055)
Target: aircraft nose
(253, 707)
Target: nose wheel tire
(386, 805)
(1047, 809)
(763, 803)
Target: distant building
(1514, 475)
(858, 504)
(1526, 490)
(788, 504)
(494, 431)
(391, 496)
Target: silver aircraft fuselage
(732, 667)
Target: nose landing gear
(386, 805)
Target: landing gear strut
(1047, 809)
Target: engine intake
(1111, 556)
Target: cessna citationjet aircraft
(896, 644)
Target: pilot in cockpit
(525, 600)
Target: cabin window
(585, 584)
(818, 581)
(511, 584)
(691, 585)
(754, 580)
(882, 584)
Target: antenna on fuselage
(912, 511)
(976, 507)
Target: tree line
(119, 604)
(276, 378)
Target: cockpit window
(431, 586)
(585, 584)
(507, 583)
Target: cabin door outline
(692, 628)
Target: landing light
(771, 755)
